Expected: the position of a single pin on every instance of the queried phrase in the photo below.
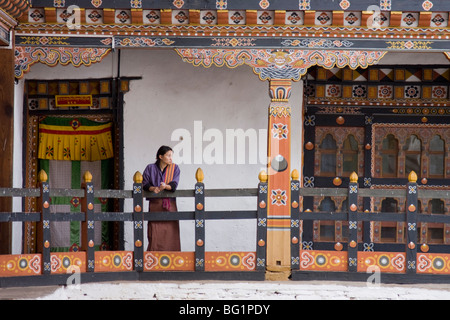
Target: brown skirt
(163, 235)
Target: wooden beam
(6, 141)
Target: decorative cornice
(280, 64)
(311, 5)
(25, 57)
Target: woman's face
(167, 157)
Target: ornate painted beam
(25, 57)
(388, 5)
(224, 42)
(272, 64)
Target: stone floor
(230, 290)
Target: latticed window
(328, 152)
(436, 157)
(327, 228)
(389, 156)
(389, 229)
(435, 231)
(413, 155)
(350, 155)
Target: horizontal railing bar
(240, 214)
(111, 193)
(240, 192)
(168, 216)
(20, 216)
(113, 216)
(55, 192)
(310, 192)
(396, 193)
(427, 193)
(208, 215)
(246, 214)
(361, 216)
(68, 216)
(19, 192)
(435, 218)
(335, 216)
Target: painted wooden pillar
(44, 237)
(138, 218)
(279, 156)
(88, 225)
(6, 141)
(411, 220)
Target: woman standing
(159, 176)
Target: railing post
(295, 221)
(88, 225)
(261, 227)
(199, 221)
(44, 224)
(411, 221)
(352, 249)
(138, 221)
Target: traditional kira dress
(162, 235)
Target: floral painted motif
(324, 18)
(221, 4)
(427, 5)
(153, 16)
(279, 197)
(438, 20)
(304, 4)
(351, 18)
(49, 151)
(359, 91)
(333, 90)
(279, 131)
(96, 3)
(178, 3)
(94, 16)
(385, 5)
(344, 4)
(385, 92)
(294, 18)
(209, 18)
(380, 18)
(181, 17)
(237, 18)
(123, 16)
(64, 15)
(264, 4)
(265, 17)
(409, 19)
(412, 92)
(136, 4)
(37, 15)
(439, 92)
(59, 3)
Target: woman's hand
(154, 189)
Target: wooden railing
(410, 261)
(350, 260)
(48, 267)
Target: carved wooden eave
(10, 12)
(324, 26)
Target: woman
(159, 176)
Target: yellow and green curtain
(74, 139)
(67, 149)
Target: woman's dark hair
(162, 151)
